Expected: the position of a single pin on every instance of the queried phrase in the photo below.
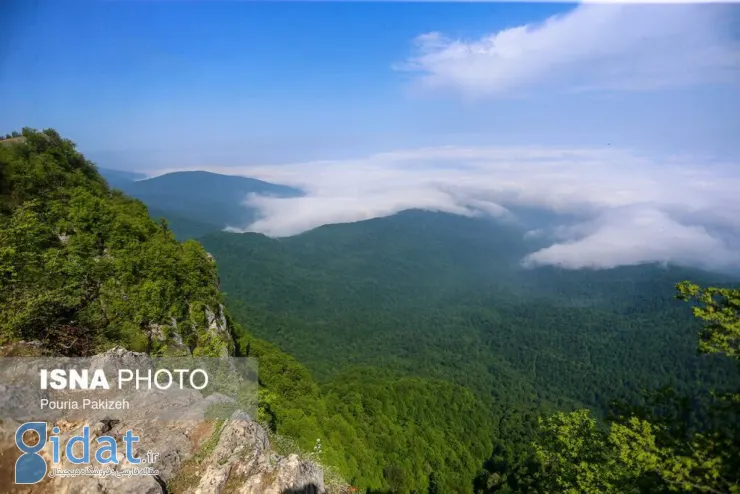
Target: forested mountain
(83, 267)
(196, 203)
(444, 297)
(120, 178)
(421, 354)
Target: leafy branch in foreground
(635, 454)
(719, 308)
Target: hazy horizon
(624, 114)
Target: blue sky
(161, 84)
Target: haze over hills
(119, 178)
(197, 202)
(399, 290)
(355, 294)
(441, 296)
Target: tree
(396, 478)
(82, 267)
(433, 484)
(719, 308)
(643, 453)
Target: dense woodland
(83, 267)
(415, 348)
(442, 297)
(403, 293)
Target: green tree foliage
(642, 452)
(382, 431)
(433, 484)
(430, 358)
(83, 267)
(435, 297)
(719, 308)
(443, 297)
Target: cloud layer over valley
(630, 209)
(612, 71)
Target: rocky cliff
(84, 271)
(194, 456)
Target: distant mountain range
(116, 178)
(195, 203)
(437, 298)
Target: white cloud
(628, 209)
(613, 47)
(637, 235)
(624, 208)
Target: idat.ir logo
(31, 467)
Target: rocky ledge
(195, 457)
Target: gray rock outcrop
(192, 456)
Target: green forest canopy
(82, 267)
(433, 377)
(405, 295)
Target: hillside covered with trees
(83, 267)
(437, 296)
(442, 296)
(421, 358)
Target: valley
(425, 299)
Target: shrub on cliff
(83, 267)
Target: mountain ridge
(199, 202)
